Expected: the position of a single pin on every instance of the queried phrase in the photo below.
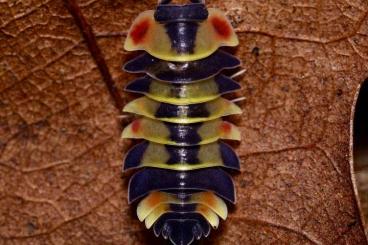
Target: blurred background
(361, 148)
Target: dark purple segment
(182, 36)
(229, 157)
(183, 155)
(169, 1)
(134, 156)
(142, 85)
(152, 179)
(179, 154)
(190, 12)
(182, 72)
(226, 84)
(182, 232)
(183, 208)
(166, 110)
(162, 225)
(184, 134)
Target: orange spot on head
(225, 127)
(221, 26)
(139, 31)
(136, 126)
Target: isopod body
(182, 186)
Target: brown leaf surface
(60, 152)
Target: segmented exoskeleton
(182, 187)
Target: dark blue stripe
(140, 85)
(182, 72)
(134, 156)
(229, 157)
(226, 84)
(182, 36)
(208, 179)
(183, 208)
(180, 154)
(163, 224)
(166, 110)
(185, 155)
(184, 134)
(189, 12)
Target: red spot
(221, 26)
(135, 126)
(225, 127)
(140, 30)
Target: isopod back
(182, 185)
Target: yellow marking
(181, 166)
(210, 154)
(182, 101)
(191, 93)
(149, 129)
(152, 201)
(212, 201)
(155, 153)
(233, 134)
(212, 131)
(217, 108)
(158, 132)
(155, 199)
(223, 107)
(205, 211)
(156, 214)
(209, 215)
(142, 106)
